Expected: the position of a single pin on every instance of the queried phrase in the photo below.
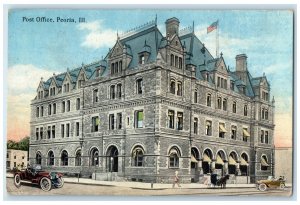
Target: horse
(222, 181)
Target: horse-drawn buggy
(216, 180)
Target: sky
(39, 49)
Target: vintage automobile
(271, 182)
(46, 180)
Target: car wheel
(17, 180)
(282, 186)
(60, 182)
(45, 184)
(262, 187)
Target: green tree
(23, 144)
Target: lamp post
(81, 153)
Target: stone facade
(153, 106)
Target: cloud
(23, 81)
(97, 36)
(25, 78)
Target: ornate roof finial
(155, 19)
(193, 27)
(53, 74)
(118, 37)
(42, 78)
(273, 100)
(82, 64)
(221, 55)
(264, 74)
(145, 42)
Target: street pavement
(89, 187)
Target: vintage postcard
(145, 102)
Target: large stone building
(155, 104)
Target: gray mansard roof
(150, 40)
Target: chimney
(241, 62)
(172, 26)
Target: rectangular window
(119, 90)
(77, 103)
(111, 121)
(195, 97)
(63, 106)
(54, 108)
(234, 107)
(180, 62)
(139, 118)
(219, 103)
(171, 119)
(49, 109)
(37, 112)
(42, 111)
(112, 92)
(224, 104)
(139, 86)
(142, 59)
(68, 106)
(95, 123)
(266, 137)
(62, 130)
(245, 134)
(233, 132)
(222, 130)
(179, 121)
(195, 126)
(68, 130)
(245, 110)
(41, 133)
(218, 84)
(262, 136)
(208, 128)
(53, 131)
(37, 133)
(95, 95)
(77, 129)
(49, 132)
(119, 119)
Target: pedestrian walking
(176, 179)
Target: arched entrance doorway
(232, 162)
(244, 165)
(112, 159)
(220, 163)
(206, 162)
(194, 165)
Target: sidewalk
(143, 185)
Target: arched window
(244, 165)
(172, 87)
(176, 61)
(266, 114)
(139, 86)
(138, 156)
(112, 92)
(195, 96)
(262, 113)
(208, 100)
(94, 157)
(174, 155)
(119, 90)
(64, 158)
(51, 158)
(219, 103)
(224, 104)
(38, 158)
(264, 163)
(208, 128)
(180, 62)
(78, 158)
(179, 88)
(234, 107)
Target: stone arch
(207, 157)
(174, 146)
(50, 158)
(112, 159)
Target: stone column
(212, 166)
(200, 167)
(225, 168)
(237, 168)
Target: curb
(85, 183)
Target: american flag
(212, 27)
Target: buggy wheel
(45, 184)
(262, 187)
(282, 186)
(17, 180)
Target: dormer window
(142, 59)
